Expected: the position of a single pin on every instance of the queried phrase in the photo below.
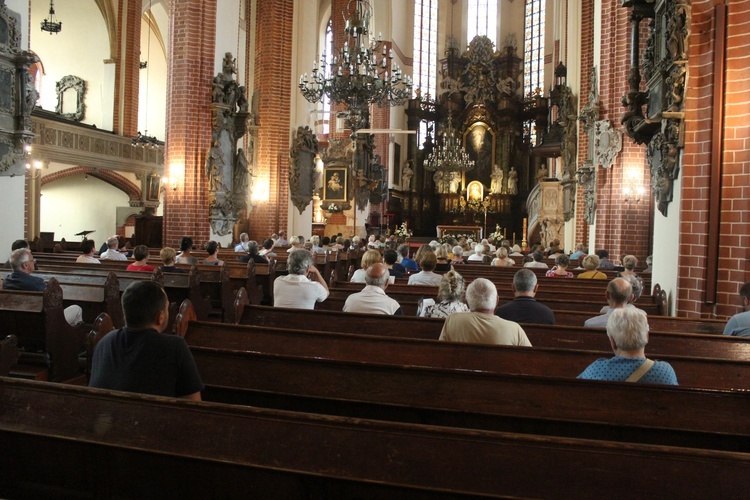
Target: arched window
(325, 117)
(482, 20)
(533, 51)
(425, 54)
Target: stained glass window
(482, 20)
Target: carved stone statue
(214, 167)
(406, 175)
(241, 173)
(542, 173)
(512, 181)
(497, 179)
(455, 182)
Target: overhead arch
(108, 176)
(109, 14)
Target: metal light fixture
(144, 140)
(362, 73)
(51, 24)
(449, 155)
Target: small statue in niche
(406, 175)
(455, 182)
(512, 181)
(217, 90)
(31, 95)
(542, 173)
(214, 164)
(240, 173)
(497, 179)
(242, 103)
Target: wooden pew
(94, 293)
(46, 339)
(660, 342)
(556, 361)
(133, 446)
(474, 399)
(9, 354)
(409, 300)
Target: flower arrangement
(333, 208)
(497, 235)
(402, 231)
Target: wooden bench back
(297, 455)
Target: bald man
(619, 293)
(372, 299)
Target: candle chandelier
(449, 155)
(51, 25)
(362, 73)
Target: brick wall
(587, 61)
(128, 60)
(192, 33)
(622, 227)
(272, 86)
(696, 168)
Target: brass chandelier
(449, 155)
(362, 73)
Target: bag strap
(640, 371)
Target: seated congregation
(485, 318)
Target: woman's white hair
(628, 327)
(481, 294)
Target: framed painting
(336, 179)
(479, 141)
(154, 183)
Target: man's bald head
(619, 291)
(377, 275)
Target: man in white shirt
(87, 253)
(111, 253)
(241, 247)
(372, 299)
(295, 290)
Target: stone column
(192, 34)
(273, 87)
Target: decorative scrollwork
(71, 82)
(302, 173)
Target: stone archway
(108, 176)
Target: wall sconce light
(261, 189)
(175, 177)
(633, 194)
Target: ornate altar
(480, 92)
(475, 232)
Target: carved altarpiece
(303, 176)
(480, 92)
(17, 94)
(586, 174)
(664, 63)
(229, 170)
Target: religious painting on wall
(335, 184)
(154, 183)
(475, 191)
(479, 142)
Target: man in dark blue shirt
(22, 263)
(525, 308)
(139, 357)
